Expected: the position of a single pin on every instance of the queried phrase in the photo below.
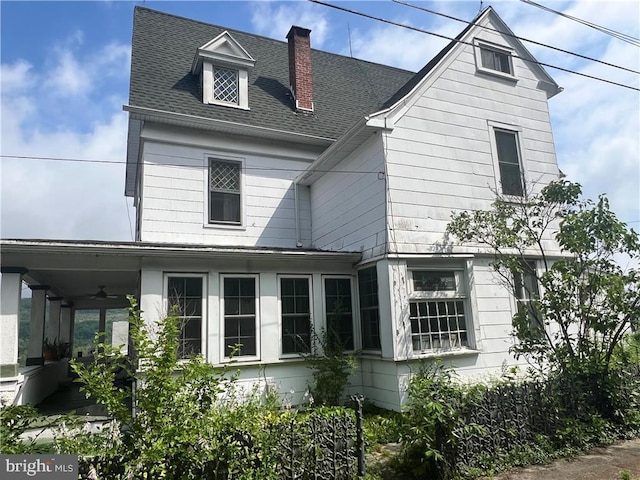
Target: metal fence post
(359, 400)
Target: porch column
(53, 332)
(10, 294)
(36, 326)
(102, 326)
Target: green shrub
(191, 421)
(330, 367)
(15, 420)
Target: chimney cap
(298, 31)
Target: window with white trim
(437, 311)
(509, 162)
(185, 300)
(339, 312)
(225, 85)
(527, 293)
(369, 309)
(496, 59)
(295, 311)
(225, 185)
(240, 307)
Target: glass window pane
(231, 287)
(433, 281)
(231, 306)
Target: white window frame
(517, 131)
(460, 293)
(360, 308)
(207, 192)
(517, 302)
(208, 84)
(354, 307)
(479, 45)
(309, 279)
(243, 358)
(204, 321)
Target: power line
(450, 17)
(177, 165)
(608, 31)
(416, 29)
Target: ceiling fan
(101, 294)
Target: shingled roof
(345, 89)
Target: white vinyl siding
(349, 208)
(440, 155)
(177, 199)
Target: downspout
(297, 213)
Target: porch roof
(74, 269)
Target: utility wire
(416, 29)
(620, 36)
(450, 17)
(177, 165)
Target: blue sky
(65, 68)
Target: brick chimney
(300, 76)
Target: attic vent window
(225, 85)
(494, 59)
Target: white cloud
(16, 77)
(596, 124)
(275, 20)
(77, 114)
(68, 77)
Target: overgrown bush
(330, 367)
(190, 421)
(193, 421)
(15, 420)
(455, 429)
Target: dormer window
(225, 85)
(224, 67)
(494, 59)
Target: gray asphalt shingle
(345, 89)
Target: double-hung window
(527, 294)
(509, 164)
(240, 312)
(437, 311)
(185, 300)
(339, 312)
(369, 310)
(295, 307)
(225, 191)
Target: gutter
(144, 113)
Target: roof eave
(140, 249)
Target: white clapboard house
(282, 190)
